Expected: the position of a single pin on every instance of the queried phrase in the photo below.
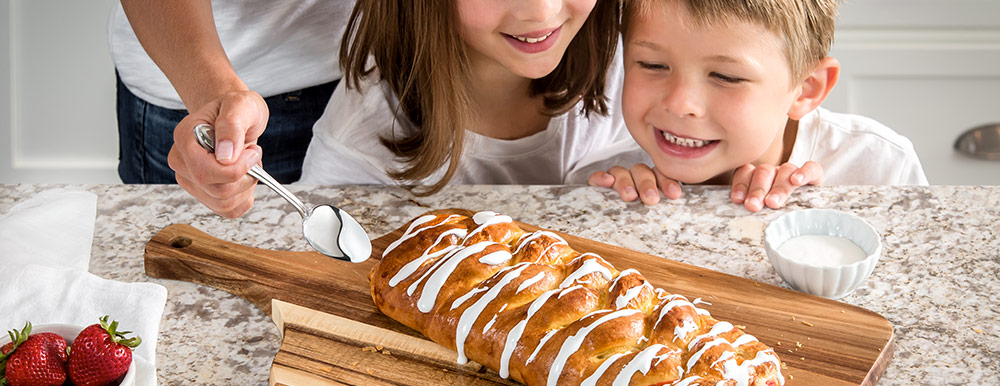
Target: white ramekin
(69, 332)
(831, 282)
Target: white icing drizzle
(413, 265)
(413, 286)
(694, 358)
(573, 343)
(530, 282)
(714, 333)
(630, 271)
(410, 232)
(698, 300)
(470, 314)
(641, 362)
(495, 316)
(541, 343)
(718, 328)
(568, 290)
(487, 218)
(744, 339)
(686, 381)
(590, 266)
(741, 372)
(684, 329)
(428, 295)
(514, 336)
(490, 323)
(593, 378)
(677, 302)
(722, 358)
(461, 299)
(623, 300)
(525, 240)
(496, 258)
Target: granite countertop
(937, 281)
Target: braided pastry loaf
(530, 307)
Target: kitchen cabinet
(57, 92)
(927, 69)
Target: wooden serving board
(333, 334)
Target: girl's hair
(416, 48)
(805, 26)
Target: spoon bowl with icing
(328, 229)
(823, 252)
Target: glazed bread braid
(530, 307)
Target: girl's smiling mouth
(534, 42)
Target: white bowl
(829, 281)
(69, 332)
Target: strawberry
(30, 360)
(101, 354)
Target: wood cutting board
(332, 334)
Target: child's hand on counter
(757, 186)
(753, 186)
(639, 182)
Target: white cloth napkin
(44, 255)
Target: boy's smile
(683, 147)
(703, 100)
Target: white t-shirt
(855, 150)
(275, 46)
(345, 149)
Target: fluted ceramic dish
(69, 332)
(829, 281)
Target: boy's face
(703, 101)
(526, 38)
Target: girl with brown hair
(476, 92)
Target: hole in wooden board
(180, 242)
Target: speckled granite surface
(938, 281)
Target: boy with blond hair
(721, 91)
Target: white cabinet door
(57, 96)
(927, 69)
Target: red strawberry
(30, 360)
(101, 354)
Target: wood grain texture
(821, 341)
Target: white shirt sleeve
(856, 150)
(346, 148)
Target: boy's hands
(756, 186)
(640, 182)
(753, 186)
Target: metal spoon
(328, 229)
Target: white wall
(57, 117)
(927, 68)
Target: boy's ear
(815, 87)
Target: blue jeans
(146, 132)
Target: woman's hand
(220, 180)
